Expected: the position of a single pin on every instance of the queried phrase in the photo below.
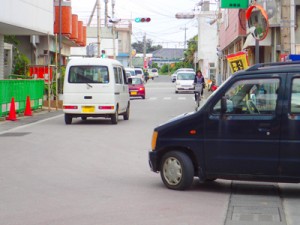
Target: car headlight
(154, 139)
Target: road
(92, 172)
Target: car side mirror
(223, 105)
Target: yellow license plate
(88, 109)
(133, 93)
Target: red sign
(41, 72)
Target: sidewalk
(44, 113)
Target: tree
(192, 48)
(139, 46)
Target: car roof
(93, 61)
(274, 67)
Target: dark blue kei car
(249, 129)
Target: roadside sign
(240, 4)
(238, 61)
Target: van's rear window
(88, 74)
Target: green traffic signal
(142, 20)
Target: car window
(255, 96)
(88, 74)
(295, 96)
(138, 71)
(118, 75)
(185, 76)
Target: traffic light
(142, 20)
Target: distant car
(153, 73)
(185, 81)
(174, 75)
(136, 87)
(131, 71)
(139, 72)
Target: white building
(206, 56)
(19, 17)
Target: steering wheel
(252, 107)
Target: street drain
(255, 204)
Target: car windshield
(138, 72)
(135, 81)
(185, 76)
(88, 74)
(132, 73)
(154, 70)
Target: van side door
(290, 132)
(244, 140)
(121, 88)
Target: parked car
(184, 81)
(136, 87)
(174, 75)
(248, 129)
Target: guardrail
(19, 90)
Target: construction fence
(19, 90)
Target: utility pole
(145, 46)
(184, 28)
(98, 28)
(106, 12)
(113, 28)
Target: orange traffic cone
(27, 111)
(12, 112)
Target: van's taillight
(141, 89)
(106, 107)
(70, 107)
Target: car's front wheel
(177, 170)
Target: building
(206, 57)
(35, 25)
(19, 17)
(114, 46)
(167, 56)
(281, 43)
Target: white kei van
(95, 87)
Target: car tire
(68, 119)
(127, 113)
(177, 170)
(115, 117)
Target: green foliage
(192, 48)
(21, 64)
(139, 46)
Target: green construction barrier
(19, 90)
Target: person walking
(199, 81)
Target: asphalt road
(92, 172)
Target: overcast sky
(164, 28)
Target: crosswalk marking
(171, 98)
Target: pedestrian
(146, 73)
(199, 80)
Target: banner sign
(238, 61)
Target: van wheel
(127, 113)
(114, 117)
(177, 170)
(68, 119)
